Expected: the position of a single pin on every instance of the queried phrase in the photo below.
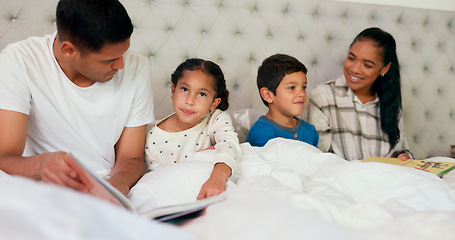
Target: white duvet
(290, 190)
(285, 190)
(38, 211)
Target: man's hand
(56, 167)
(61, 169)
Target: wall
(446, 5)
(239, 34)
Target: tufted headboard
(239, 34)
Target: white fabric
(303, 168)
(291, 188)
(244, 119)
(39, 211)
(64, 117)
(216, 129)
(285, 190)
(172, 184)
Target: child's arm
(227, 146)
(216, 183)
(224, 139)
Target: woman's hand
(404, 156)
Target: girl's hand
(216, 183)
(211, 147)
(213, 187)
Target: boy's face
(290, 97)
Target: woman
(358, 115)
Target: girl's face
(362, 66)
(193, 98)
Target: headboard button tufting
(239, 35)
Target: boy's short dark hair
(274, 68)
(90, 24)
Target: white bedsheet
(35, 210)
(290, 190)
(285, 190)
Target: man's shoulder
(135, 64)
(136, 68)
(30, 45)
(133, 58)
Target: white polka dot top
(164, 148)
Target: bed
(285, 190)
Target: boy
(282, 85)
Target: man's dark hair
(90, 24)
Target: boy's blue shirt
(265, 129)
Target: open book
(104, 190)
(436, 167)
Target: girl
(199, 98)
(358, 115)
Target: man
(76, 91)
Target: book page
(435, 167)
(104, 190)
(174, 211)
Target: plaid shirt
(346, 126)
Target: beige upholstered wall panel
(239, 34)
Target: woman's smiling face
(363, 65)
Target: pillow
(173, 184)
(244, 119)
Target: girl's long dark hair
(387, 87)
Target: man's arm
(129, 161)
(55, 167)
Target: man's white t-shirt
(86, 121)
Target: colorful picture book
(436, 167)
